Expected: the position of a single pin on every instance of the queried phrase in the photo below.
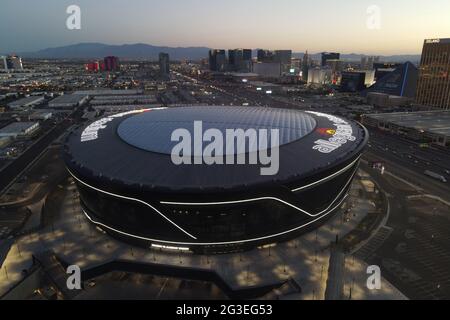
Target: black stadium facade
(130, 187)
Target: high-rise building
(305, 66)
(363, 64)
(3, 63)
(248, 54)
(296, 63)
(92, 66)
(370, 62)
(217, 60)
(234, 57)
(164, 65)
(247, 61)
(433, 87)
(353, 81)
(367, 62)
(329, 56)
(15, 62)
(284, 57)
(319, 76)
(240, 60)
(402, 82)
(384, 68)
(265, 55)
(111, 63)
(11, 62)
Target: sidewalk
(76, 241)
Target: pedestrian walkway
(304, 260)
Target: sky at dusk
(316, 25)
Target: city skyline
(316, 27)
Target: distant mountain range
(146, 51)
(128, 51)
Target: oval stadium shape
(130, 187)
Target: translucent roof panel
(152, 131)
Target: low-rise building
(109, 92)
(385, 100)
(267, 69)
(115, 109)
(424, 126)
(26, 102)
(19, 129)
(68, 101)
(5, 142)
(41, 115)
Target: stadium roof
(150, 131)
(131, 149)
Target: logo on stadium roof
(91, 132)
(337, 137)
(326, 131)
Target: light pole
(248, 275)
(18, 249)
(351, 289)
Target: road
(410, 154)
(14, 169)
(415, 257)
(401, 159)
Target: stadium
(131, 188)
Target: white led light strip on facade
(329, 177)
(326, 211)
(273, 198)
(133, 199)
(213, 243)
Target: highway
(409, 152)
(409, 162)
(416, 256)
